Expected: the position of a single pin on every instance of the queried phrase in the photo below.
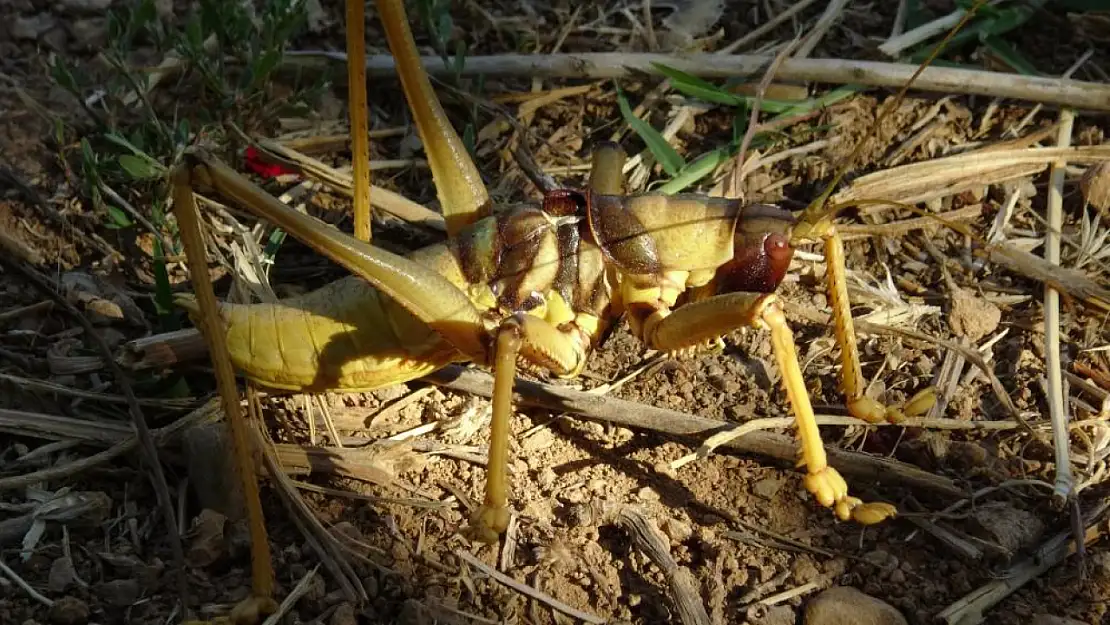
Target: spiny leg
(851, 373)
(697, 322)
(462, 193)
(356, 102)
(261, 601)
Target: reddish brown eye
(776, 245)
(778, 250)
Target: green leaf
(62, 75)
(117, 218)
(1010, 55)
(692, 173)
(662, 151)
(697, 88)
(139, 168)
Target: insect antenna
(817, 212)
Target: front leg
(697, 322)
(542, 344)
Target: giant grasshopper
(534, 287)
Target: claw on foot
(871, 411)
(488, 523)
(831, 491)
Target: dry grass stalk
(143, 437)
(970, 609)
(947, 80)
(1065, 482)
(528, 590)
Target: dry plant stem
(654, 543)
(147, 447)
(951, 81)
(356, 96)
(528, 590)
(185, 208)
(1064, 482)
(895, 45)
(766, 27)
(300, 590)
(641, 416)
(970, 609)
(386, 200)
(824, 23)
(327, 547)
(19, 581)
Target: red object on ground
(263, 168)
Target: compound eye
(776, 245)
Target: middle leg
(698, 322)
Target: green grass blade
(662, 151)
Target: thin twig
(36, 595)
(528, 590)
(766, 27)
(895, 45)
(970, 608)
(653, 542)
(149, 450)
(635, 415)
(947, 80)
(293, 597)
(832, 13)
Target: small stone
(1095, 185)
(89, 33)
(1048, 619)
(119, 593)
(972, 316)
(351, 536)
(343, 615)
(844, 605)
(69, 611)
(647, 494)
(31, 28)
(805, 571)
(676, 530)
(542, 439)
(768, 487)
(1007, 526)
(207, 543)
(61, 574)
(777, 615)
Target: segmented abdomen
(344, 336)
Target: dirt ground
(742, 524)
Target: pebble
(69, 611)
(31, 28)
(119, 593)
(1048, 619)
(777, 615)
(343, 615)
(61, 574)
(844, 605)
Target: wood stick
(681, 584)
(948, 80)
(642, 416)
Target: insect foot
(488, 523)
(831, 491)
